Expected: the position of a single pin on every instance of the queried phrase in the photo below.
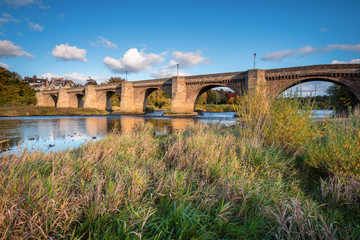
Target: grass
(28, 110)
(216, 107)
(259, 179)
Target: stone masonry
(184, 90)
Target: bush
(337, 148)
(285, 122)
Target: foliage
(341, 98)
(247, 181)
(285, 122)
(337, 148)
(115, 100)
(13, 90)
(115, 80)
(158, 99)
(26, 110)
(216, 97)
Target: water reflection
(60, 133)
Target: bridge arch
(196, 92)
(51, 100)
(149, 91)
(104, 99)
(76, 101)
(350, 85)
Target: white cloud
(187, 59)
(342, 62)
(18, 2)
(34, 26)
(68, 53)
(133, 61)
(346, 47)
(323, 29)
(62, 15)
(4, 65)
(165, 72)
(8, 49)
(304, 51)
(76, 77)
(101, 41)
(6, 18)
(21, 3)
(278, 56)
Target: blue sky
(81, 38)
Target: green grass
(253, 180)
(216, 107)
(28, 110)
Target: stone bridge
(184, 90)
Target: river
(53, 133)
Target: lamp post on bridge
(177, 70)
(125, 75)
(254, 59)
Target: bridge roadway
(184, 90)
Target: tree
(216, 97)
(341, 98)
(13, 90)
(115, 80)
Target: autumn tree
(115, 80)
(13, 90)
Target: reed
(208, 182)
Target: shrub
(282, 121)
(337, 148)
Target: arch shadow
(77, 101)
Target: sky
(79, 39)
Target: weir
(184, 90)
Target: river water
(53, 133)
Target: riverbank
(278, 176)
(15, 111)
(200, 108)
(216, 107)
(25, 110)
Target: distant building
(37, 83)
(55, 83)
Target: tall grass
(338, 148)
(207, 182)
(285, 122)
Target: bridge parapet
(184, 90)
(152, 83)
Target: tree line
(14, 90)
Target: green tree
(341, 98)
(13, 90)
(216, 97)
(115, 80)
